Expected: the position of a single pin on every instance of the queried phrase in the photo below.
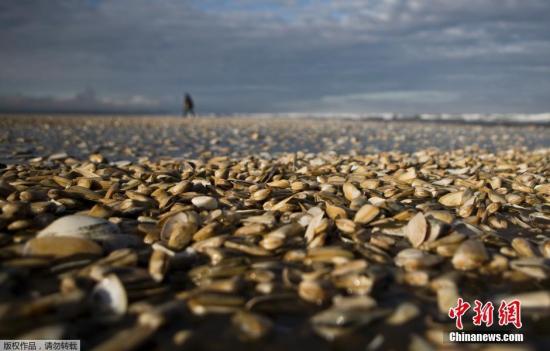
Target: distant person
(188, 106)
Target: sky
(247, 56)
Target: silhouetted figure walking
(188, 106)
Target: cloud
(274, 56)
(86, 101)
(415, 96)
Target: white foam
(540, 118)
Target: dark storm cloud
(276, 56)
(86, 101)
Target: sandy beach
(160, 233)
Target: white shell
(206, 202)
(81, 226)
(110, 295)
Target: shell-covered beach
(161, 233)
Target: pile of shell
(319, 249)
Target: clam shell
(403, 313)
(366, 214)
(454, 199)
(110, 296)
(524, 248)
(205, 202)
(536, 300)
(470, 254)
(537, 268)
(340, 320)
(350, 191)
(81, 226)
(417, 229)
(178, 230)
(59, 247)
(251, 325)
(158, 264)
(414, 259)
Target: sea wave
(491, 118)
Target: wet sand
(238, 233)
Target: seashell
(366, 214)
(543, 189)
(404, 312)
(497, 223)
(208, 303)
(370, 184)
(312, 291)
(251, 229)
(179, 188)
(416, 229)
(354, 283)
(447, 296)
(158, 265)
(59, 247)
(341, 320)
(453, 199)
(110, 296)
(281, 183)
(251, 325)
(496, 183)
(48, 332)
(378, 201)
(83, 193)
(414, 259)
(470, 254)
(82, 226)
(261, 194)
(535, 300)
(364, 302)
(100, 211)
(267, 219)
(273, 240)
(331, 254)
(346, 226)
(407, 176)
(213, 242)
(532, 266)
(357, 203)
(298, 186)
(335, 212)
(252, 250)
(514, 199)
(118, 258)
(417, 278)
(524, 248)
(437, 229)
(205, 202)
(178, 230)
(350, 191)
(33, 195)
(20, 224)
(404, 215)
(313, 225)
(496, 198)
(355, 266)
